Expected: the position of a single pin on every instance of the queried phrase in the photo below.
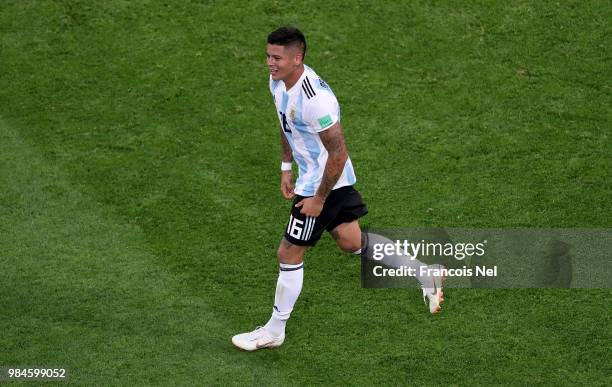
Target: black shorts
(343, 205)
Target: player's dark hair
(288, 36)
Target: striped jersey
(306, 109)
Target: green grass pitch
(140, 208)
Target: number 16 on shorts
(301, 229)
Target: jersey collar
(297, 84)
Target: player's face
(282, 61)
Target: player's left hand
(311, 206)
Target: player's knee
(349, 246)
(290, 254)
(282, 254)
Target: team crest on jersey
(292, 114)
(323, 84)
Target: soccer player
(323, 197)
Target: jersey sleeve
(322, 111)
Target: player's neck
(295, 76)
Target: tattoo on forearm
(287, 154)
(333, 140)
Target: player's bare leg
(348, 237)
(289, 253)
(288, 288)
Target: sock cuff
(288, 267)
(281, 315)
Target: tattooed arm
(286, 186)
(287, 154)
(333, 140)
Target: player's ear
(298, 58)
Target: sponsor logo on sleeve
(325, 121)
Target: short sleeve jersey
(306, 109)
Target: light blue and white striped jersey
(306, 109)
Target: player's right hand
(286, 186)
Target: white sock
(397, 261)
(288, 288)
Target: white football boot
(258, 339)
(434, 295)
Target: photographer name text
(405, 271)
